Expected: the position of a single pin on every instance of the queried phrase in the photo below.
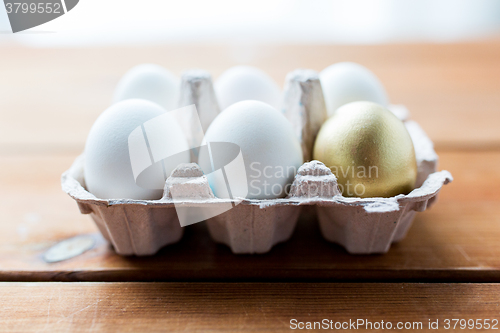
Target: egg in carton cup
(360, 225)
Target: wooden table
(447, 267)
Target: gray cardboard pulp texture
(360, 225)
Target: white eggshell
(271, 152)
(151, 82)
(242, 83)
(347, 82)
(108, 169)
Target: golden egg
(369, 150)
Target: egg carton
(360, 225)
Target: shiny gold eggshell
(369, 150)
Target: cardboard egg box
(360, 225)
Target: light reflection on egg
(108, 167)
(369, 150)
(271, 152)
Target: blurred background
(438, 57)
(113, 22)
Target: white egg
(271, 152)
(139, 129)
(347, 82)
(242, 83)
(151, 82)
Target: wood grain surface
(236, 307)
(456, 240)
(452, 90)
(49, 99)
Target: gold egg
(369, 150)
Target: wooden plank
(236, 307)
(457, 240)
(49, 98)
